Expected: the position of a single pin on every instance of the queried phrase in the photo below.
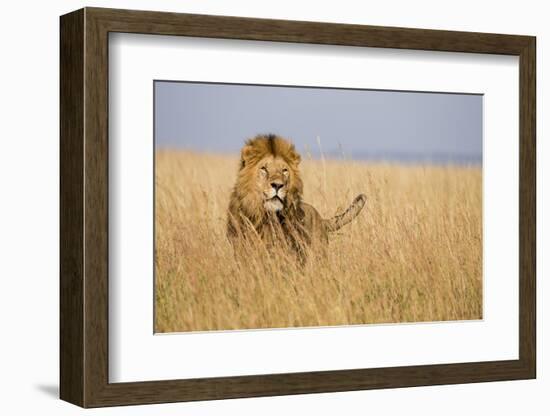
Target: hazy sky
(364, 124)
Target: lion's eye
(285, 172)
(263, 169)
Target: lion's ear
(246, 154)
(294, 157)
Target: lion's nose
(276, 185)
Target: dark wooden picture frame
(84, 207)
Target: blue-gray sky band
(361, 124)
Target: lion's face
(274, 176)
(269, 179)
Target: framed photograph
(255, 207)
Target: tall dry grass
(413, 254)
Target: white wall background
(29, 158)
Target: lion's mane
(248, 205)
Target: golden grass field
(414, 253)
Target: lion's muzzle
(274, 204)
(275, 197)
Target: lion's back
(314, 223)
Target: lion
(266, 202)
